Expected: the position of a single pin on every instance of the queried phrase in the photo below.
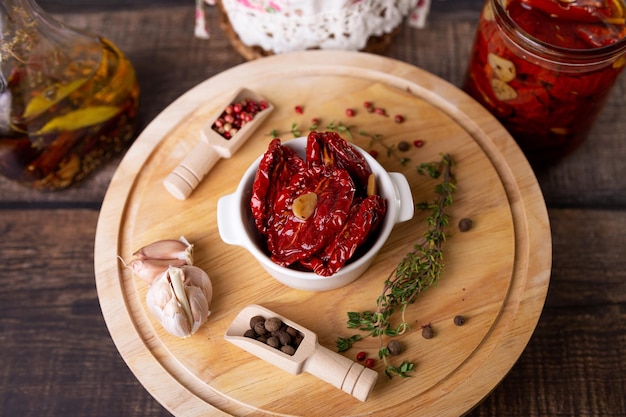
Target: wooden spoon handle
(188, 174)
(341, 372)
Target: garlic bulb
(180, 298)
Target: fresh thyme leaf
(401, 371)
(295, 131)
(344, 343)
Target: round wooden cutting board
(496, 275)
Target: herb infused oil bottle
(545, 68)
(68, 99)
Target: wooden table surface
(58, 358)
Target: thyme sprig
(390, 149)
(418, 270)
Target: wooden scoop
(310, 356)
(212, 146)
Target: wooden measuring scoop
(212, 146)
(310, 356)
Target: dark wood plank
(574, 363)
(58, 357)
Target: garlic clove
(159, 292)
(175, 320)
(199, 307)
(176, 276)
(167, 249)
(196, 277)
(148, 269)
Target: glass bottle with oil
(68, 99)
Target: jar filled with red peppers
(545, 68)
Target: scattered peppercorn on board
(496, 274)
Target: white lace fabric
(294, 25)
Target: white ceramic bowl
(236, 226)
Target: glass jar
(68, 99)
(545, 68)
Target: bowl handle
(404, 197)
(229, 227)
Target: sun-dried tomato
(328, 148)
(278, 165)
(291, 239)
(364, 218)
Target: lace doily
(293, 25)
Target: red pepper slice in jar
(291, 239)
(277, 167)
(328, 148)
(597, 37)
(363, 221)
(578, 10)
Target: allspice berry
(289, 350)
(274, 333)
(459, 320)
(465, 224)
(260, 329)
(395, 347)
(273, 324)
(273, 342)
(256, 319)
(284, 338)
(427, 332)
